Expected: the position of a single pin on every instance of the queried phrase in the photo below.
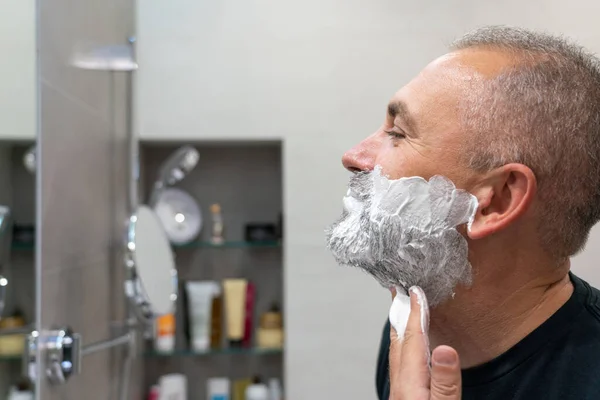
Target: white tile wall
(17, 70)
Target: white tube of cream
(200, 295)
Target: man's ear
(504, 196)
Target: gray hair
(543, 111)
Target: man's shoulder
(589, 296)
(581, 345)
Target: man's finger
(396, 318)
(410, 380)
(445, 374)
(415, 345)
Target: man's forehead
(432, 97)
(472, 63)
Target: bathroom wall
(83, 189)
(17, 70)
(316, 74)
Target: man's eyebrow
(399, 109)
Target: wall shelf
(214, 352)
(22, 246)
(16, 357)
(247, 182)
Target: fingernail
(419, 293)
(446, 357)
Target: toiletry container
(154, 393)
(248, 315)
(269, 334)
(173, 387)
(218, 389)
(275, 391)
(200, 296)
(235, 307)
(164, 341)
(22, 391)
(216, 318)
(239, 388)
(218, 228)
(15, 394)
(257, 391)
(12, 345)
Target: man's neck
(497, 312)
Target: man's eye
(396, 135)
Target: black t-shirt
(560, 360)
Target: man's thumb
(445, 374)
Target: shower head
(178, 165)
(106, 58)
(174, 169)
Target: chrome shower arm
(108, 344)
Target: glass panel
(228, 245)
(18, 124)
(214, 352)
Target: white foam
(428, 206)
(399, 312)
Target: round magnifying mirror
(152, 262)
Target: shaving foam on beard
(403, 232)
(419, 207)
(425, 206)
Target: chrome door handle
(29, 355)
(63, 354)
(61, 349)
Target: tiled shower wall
(83, 190)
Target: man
(513, 118)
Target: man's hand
(410, 375)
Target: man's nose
(361, 157)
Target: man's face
(421, 134)
(387, 227)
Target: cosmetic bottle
(218, 229)
(173, 387)
(269, 334)
(218, 389)
(257, 391)
(164, 341)
(275, 391)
